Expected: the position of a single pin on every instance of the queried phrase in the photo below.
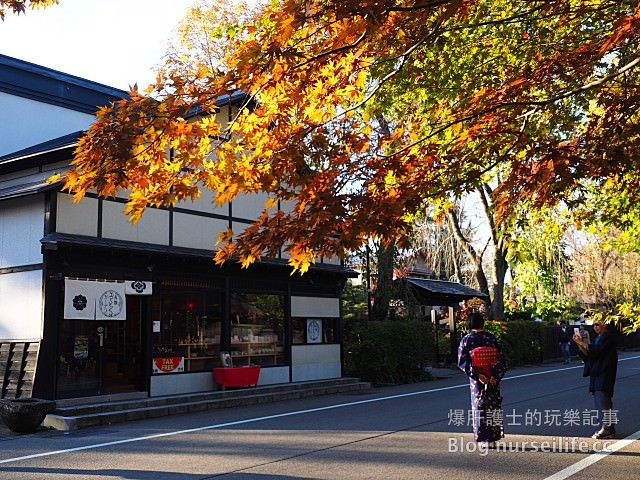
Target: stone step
(89, 407)
(81, 416)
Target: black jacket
(601, 363)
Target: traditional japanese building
(93, 305)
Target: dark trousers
(603, 402)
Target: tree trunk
(385, 262)
(476, 258)
(384, 281)
(456, 263)
(500, 251)
(500, 267)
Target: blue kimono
(484, 399)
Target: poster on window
(168, 364)
(314, 331)
(81, 347)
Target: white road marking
(596, 457)
(268, 417)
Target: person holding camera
(600, 365)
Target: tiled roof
(54, 240)
(442, 288)
(43, 84)
(66, 141)
(27, 189)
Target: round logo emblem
(313, 331)
(138, 286)
(79, 302)
(111, 303)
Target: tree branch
(596, 83)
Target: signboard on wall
(316, 307)
(168, 364)
(138, 287)
(314, 330)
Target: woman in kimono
(480, 358)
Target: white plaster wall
(273, 375)
(173, 384)
(249, 206)
(21, 305)
(77, 218)
(153, 227)
(285, 254)
(193, 231)
(21, 228)
(28, 122)
(204, 204)
(222, 116)
(287, 207)
(332, 261)
(315, 362)
(315, 307)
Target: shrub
(522, 341)
(550, 309)
(388, 352)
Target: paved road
(414, 431)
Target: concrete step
(72, 417)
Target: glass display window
(257, 329)
(186, 331)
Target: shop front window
(186, 331)
(313, 330)
(257, 329)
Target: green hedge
(389, 352)
(397, 352)
(522, 340)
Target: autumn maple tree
(357, 113)
(20, 6)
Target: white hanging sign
(88, 300)
(138, 287)
(79, 300)
(110, 301)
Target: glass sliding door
(100, 357)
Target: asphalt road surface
(417, 431)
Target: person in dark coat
(600, 365)
(484, 383)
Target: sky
(114, 42)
